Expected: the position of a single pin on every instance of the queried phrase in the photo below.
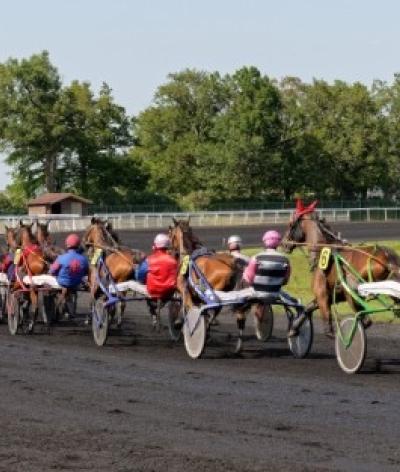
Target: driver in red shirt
(159, 270)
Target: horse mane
(328, 232)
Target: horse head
(100, 233)
(24, 235)
(42, 232)
(183, 241)
(10, 236)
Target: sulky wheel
(351, 358)
(4, 291)
(174, 323)
(194, 332)
(15, 313)
(263, 321)
(300, 345)
(100, 322)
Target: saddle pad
(3, 279)
(385, 287)
(132, 285)
(40, 280)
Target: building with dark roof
(57, 204)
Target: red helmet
(72, 241)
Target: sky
(133, 45)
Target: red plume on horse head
(302, 210)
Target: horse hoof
(367, 322)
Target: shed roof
(51, 198)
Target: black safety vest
(271, 272)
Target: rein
(343, 247)
(114, 250)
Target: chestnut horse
(221, 270)
(120, 261)
(31, 262)
(371, 262)
(43, 236)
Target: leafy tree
(31, 128)
(345, 120)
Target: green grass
(300, 281)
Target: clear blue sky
(133, 45)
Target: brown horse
(43, 236)
(31, 262)
(221, 270)
(120, 261)
(376, 262)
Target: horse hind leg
(241, 324)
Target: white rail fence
(142, 221)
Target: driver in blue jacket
(70, 268)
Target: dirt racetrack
(140, 404)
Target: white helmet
(161, 241)
(234, 242)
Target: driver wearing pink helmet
(268, 270)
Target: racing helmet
(234, 242)
(72, 241)
(161, 241)
(271, 239)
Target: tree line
(205, 138)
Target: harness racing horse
(373, 263)
(42, 233)
(31, 263)
(222, 271)
(120, 261)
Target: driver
(234, 244)
(159, 270)
(268, 270)
(71, 267)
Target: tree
(345, 120)
(31, 128)
(175, 135)
(249, 134)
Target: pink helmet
(271, 239)
(161, 241)
(73, 240)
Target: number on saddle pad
(324, 258)
(184, 265)
(17, 256)
(96, 256)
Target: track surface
(140, 404)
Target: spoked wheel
(300, 345)
(263, 321)
(15, 313)
(4, 290)
(351, 358)
(100, 322)
(194, 332)
(174, 325)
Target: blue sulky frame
(299, 345)
(101, 308)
